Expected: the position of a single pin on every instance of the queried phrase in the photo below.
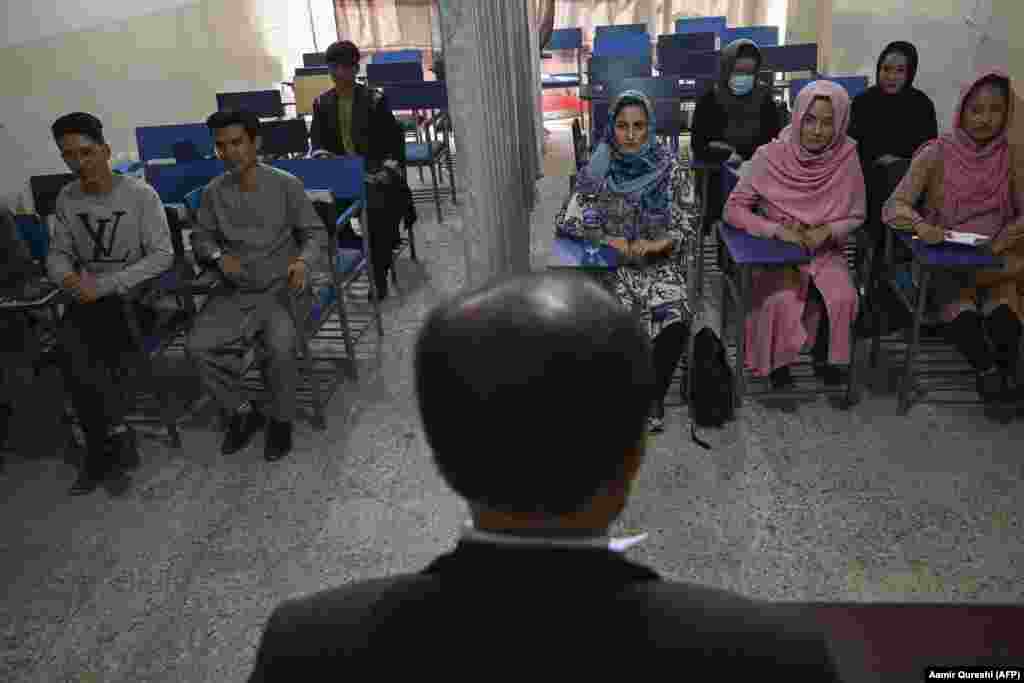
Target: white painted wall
(138, 67)
(950, 50)
(31, 20)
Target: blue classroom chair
(600, 31)
(158, 142)
(623, 44)
(433, 96)
(565, 39)
(343, 181)
(394, 56)
(763, 36)
(716, 25)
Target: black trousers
(94, 346)
(669, 346)
(387, 205)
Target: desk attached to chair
(926, 259)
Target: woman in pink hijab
(805, 187)
(973, 182)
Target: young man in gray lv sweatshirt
(257, 225)
(111, 234)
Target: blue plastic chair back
(600, 31)
(35, 234)
(394, 72)
(157, 142)
(263, 103)
(696, 42)
(566, 39)
(789, 58)
(174, 181)
(393, 56)
(716, 25)
(854, 85)
(623, 44)
(410, 96)
(673, 60)
(763, 36)
(344, 177)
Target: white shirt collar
(471, 533)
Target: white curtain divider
(492, 97)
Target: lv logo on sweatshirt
(103, 242)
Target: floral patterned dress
(656, 287)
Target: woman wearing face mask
(631, 197)
(733, 118)
(806, 187)
(974, 182)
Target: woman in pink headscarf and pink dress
(974, 183)
(805, 187)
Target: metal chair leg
(437, 192)
(907, 386)
(741, 337)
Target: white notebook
(970, 239)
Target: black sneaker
(831, 375)
(84, 484)
(656, 420)
(241, 431)
(990, 386)
(781, 378)
(124, 449)
(279, 440)
(117, 482)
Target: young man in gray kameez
(257, 225)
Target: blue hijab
(643, 177)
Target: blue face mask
(741, 84)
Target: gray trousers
(232, 317)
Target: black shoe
(990, 386)
(241, 430)
(656, 420)
(781, 378)
(124, 449)
(831, 375)
(279, 440)
(117, 482)
(85, 484)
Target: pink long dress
(783, 318)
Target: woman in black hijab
(890, 121)
(892, 118)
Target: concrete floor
(797, 500)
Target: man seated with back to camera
(257, 225)
(111, 236)
(534, 393)
(352, 119)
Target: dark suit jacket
(516, 608)
(375, 132)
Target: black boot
(1004, 330)
(781, 378)
(967, 334)
(830, 374)
(669, 346)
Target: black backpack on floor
(712, 401)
